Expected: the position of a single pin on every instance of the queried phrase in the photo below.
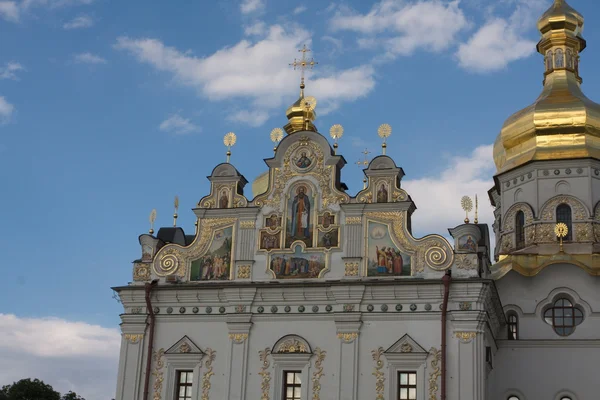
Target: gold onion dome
(300, 115)
(562, 123)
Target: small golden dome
(300, 116)
(562, 123)
(260, 184)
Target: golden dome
(300, 116)
(562, 123)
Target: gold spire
(299, 115)
(562, 123)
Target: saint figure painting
(215, 264)
(299, 220)
(384, 258)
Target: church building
(303, 291)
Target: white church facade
(303, 291)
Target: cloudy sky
(109, 109)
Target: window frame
(565, 218)
(551, 319)
(179, 384)
(406, 362)
(290, 362)
(287, 385)
(513, 334)
(520, 230)
(408, 386)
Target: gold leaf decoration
(265, 385)
(379, 375)
(158, 373)
(211, 355)
(316, 378)
(435, 372)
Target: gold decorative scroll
(158, 373)
(265, 385)
(379, 375)
(435, 372)
(433, 251)
(174, 259)
(347, 337)
(238, 337)
(316, 378)
(133, 338)
(465, 337)
(211, 355)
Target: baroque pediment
(185, 345)
(405, 344)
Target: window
(407, 386)
(513, 398)
(559, 60)
(563, 317)
(520, 229)
(565, 398)
(292, 385)
(184, 385)
(563, 214)
(513, 326)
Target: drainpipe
(446, 281)
(148, 289)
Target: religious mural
(467, 243)
(224, 198)
(302, 159)
(384, 258)
(299, 264)
(326, 220)
(328, 239)
(215, 264)
(273, 222)
(299, 216)
(382, 192)
(269, 241)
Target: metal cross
(303, 63)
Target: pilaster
(348, 333)
(239, 331)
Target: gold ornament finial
(476, 220)
(302, 65)
(229, 141)
(152, 219)
(336, 132)
(176, 205)
(384, 131)
(364, 163)
(467, 205)
(276, 136)
(309, 103)
(561, 230)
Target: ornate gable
(185, 345)
(405, 344)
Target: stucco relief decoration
(464, 261)
(184, 348)
(174, 259)
(432, 251)
(511, 214)
(351, 269)
(238, 337)
(265, 384)
(210, 358)
(347, 337)
(406, 348)
(158, 373)
(292, 167)
(583, 232)
(378, 373)
(545, 233)
(292, 345)
(133, 338)
(578, 209)
(244, 272)
(353, 220)
(316, 378)
(436, 357)
(141, 272)
(465, 337)
(248, 224)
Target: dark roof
(172, 235)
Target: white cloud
(299, 10)
(501, 41)
(251, 6)
(468, 175)
(6, 110)
(9, 10)
(403, 27)
(10, 69)
(253, 118)
(256, 71)
(256, 29)
(82, 21)
(178, 125)
(88, 58)
(65, 354)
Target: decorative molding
(465, 337)
(379, 375)
(351, 269)
(238, 337)
(133, 338)
(265, 384)
(465, 306)
(406, 348)
(435, 372)
(584, 232)
(292, 345)
(211, 354)
(185, 348)
(248, 224)
(158, 373)
(464, 261)
(141, 272)
(347, 337)
(548, 212)
(349, 307)
(316, 378)
(240, 308)
(353, 220)
(244, 272)
(509, 217)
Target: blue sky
(109, 109)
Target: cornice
(549, 343)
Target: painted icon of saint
(300, 227)
(223, 200)
(382, 194)
(303, 161)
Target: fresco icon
(215, 264)
(298, 264)
(299, 218)
(384, 258)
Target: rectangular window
(407, 386)
(184, 385)
(292, 385)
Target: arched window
(549, 61)
(513, 326)
(512, 397)
(559, 59)
(565, 398)
(563, 214)
(520, 229)
(563, 317)
(569, 58)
